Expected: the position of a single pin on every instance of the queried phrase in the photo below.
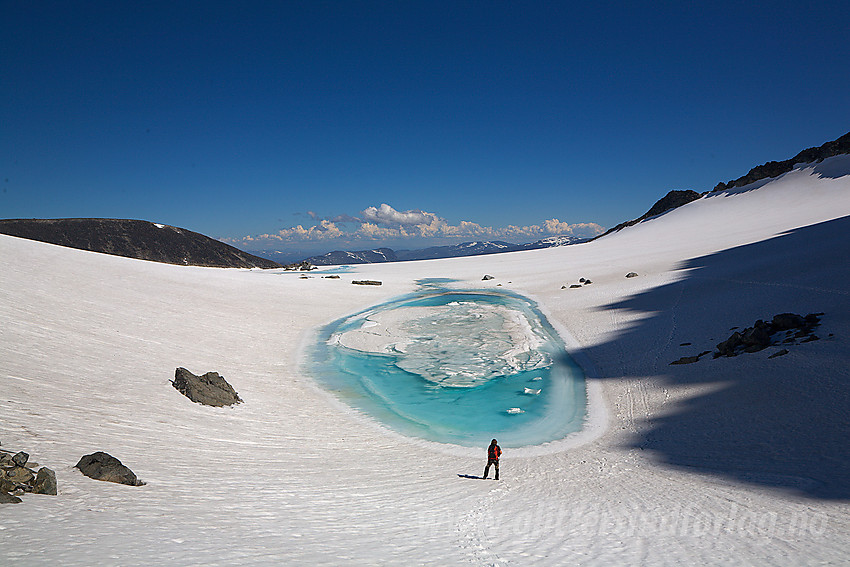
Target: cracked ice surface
(462, 344)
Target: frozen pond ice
(455, 366)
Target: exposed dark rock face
(366, 282)
(777, 168)
(103, 466)
(670, 201)
(486, 277)
(631, 275)
(135, 239)
(209, 389)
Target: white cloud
(385, 214)
(384, 223)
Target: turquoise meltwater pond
(455, 366)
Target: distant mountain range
(135, 239)
(432, 253)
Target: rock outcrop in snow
(209, 389)
(103, 466)
(777, 168)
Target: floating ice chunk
(531, 391)
(515, 410)
(537, 378)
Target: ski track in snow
(88, 344)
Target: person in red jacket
(493, 454)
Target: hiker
(493, 454)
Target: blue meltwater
(455, 366)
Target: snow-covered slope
(728, 461)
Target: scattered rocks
(761, 335)
(486, 277)
(210, 389)
(366, 282)
(581, 282)
(303, 266)
(631, 275)
(16, 478)
(103, 466)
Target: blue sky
(403, 123)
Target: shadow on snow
(781, 422)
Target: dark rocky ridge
(777, 168)
(135, 239)
(675, 199)
(671, 200)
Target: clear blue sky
(250, 118)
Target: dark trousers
(495, 463)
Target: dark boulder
(20, 459)
(6, 498)
(631, 275)
(103, 466)
(757, 337)
(209, 389)
(6, 485)
(45, 482)
(785, 321)
(19, 475)
(487, 277)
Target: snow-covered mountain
(475, 248)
